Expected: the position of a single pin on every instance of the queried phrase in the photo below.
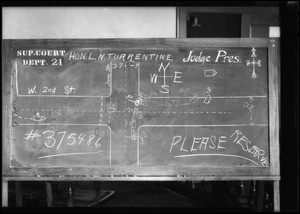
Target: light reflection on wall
(88, 22)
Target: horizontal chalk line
(87, 153)
(144, 111)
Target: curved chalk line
(237, 156)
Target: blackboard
(142, 107)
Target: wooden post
(49, 194)
(4, 193)
(70, 201)
(260, 196)
(19, 193)
(276, 191)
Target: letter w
(31, 90)
(153, 78)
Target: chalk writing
(225, 58)
(131, 89)
(53, 138)
(131, 57)
(253, 63)
(211, 141)
(40, 52)
(194, 58)
(207, 98)
(244, 142)
(192, 141)
(32, 90)
(49, 90)
(33, 84)
(177, 77)
(69, 89)
(32, 135)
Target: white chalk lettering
(222, 139)
(237, 133)
(203, 142)
(41, 52)
(195, 141)
(32, 90)
(222, 55)
(194, 58)
(182, 149)
(173, 144)
(213, 140)
(177, 76)
(166, 90)
(244, 142)
(77, 56)
(101, 56)
(53, 137)
(153, 78)
(69, 89)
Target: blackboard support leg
(260, 196)
(19, 193)
(4, 193)
(276, 196)
(70, 201)
(49, 194)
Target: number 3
(50, 137)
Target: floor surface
(141, 195)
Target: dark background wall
(289, 131)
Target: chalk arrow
(210, 73)
(246, 104)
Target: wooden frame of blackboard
(149, 173)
